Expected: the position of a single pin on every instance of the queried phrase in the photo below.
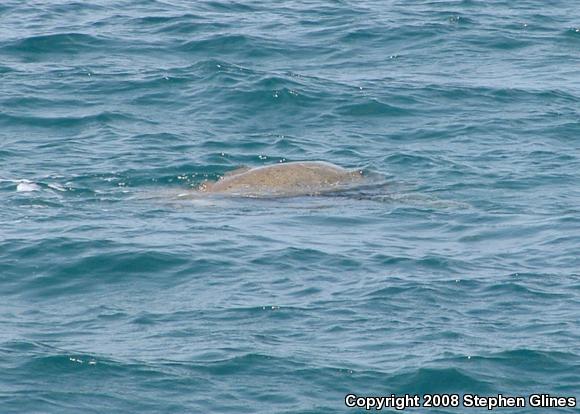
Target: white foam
(56, 187)
(25, 186)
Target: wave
(56, 43)
(372, 108)
(104, 117)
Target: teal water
(461, 277)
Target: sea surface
(461, 275)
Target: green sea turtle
(285, 180)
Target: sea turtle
(287, 179)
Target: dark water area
(461, 275)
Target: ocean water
(461, 276)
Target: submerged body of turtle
(303, 179)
